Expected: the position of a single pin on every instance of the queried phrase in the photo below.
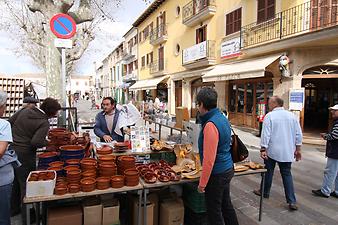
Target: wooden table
(163, 125)
(38, 200)
(159, 184)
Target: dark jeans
(218, 202)
(5, 204)
(285, 171)
(19, 185)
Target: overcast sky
(103, 44)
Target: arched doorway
(321, 92)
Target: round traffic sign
(63, 26)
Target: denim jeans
(285, 171)
(5, 204)
(220, 210)
(330, 176)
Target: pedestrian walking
(331, 169)
(8, 160)
(281, 142)
(214, 148)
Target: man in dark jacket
(29, 129)
(105, 122)
(331, 170)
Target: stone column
(220, 88)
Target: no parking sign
(63, 26)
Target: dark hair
(112, 101)
(50, 106)
(207, 96)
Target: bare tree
(31, 28)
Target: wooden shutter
(261, 11)
(265, 10)
(234, 21)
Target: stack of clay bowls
(57, 166)
(131, 177)
(46, 158)
(104, 150)
(72, 152)
(117, 181)
(107, 165)
(88, 167)
(121, 146)
(124, 163)
(74, 176)
(73, 162)
(102, 183)
(88, 184)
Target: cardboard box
(172, 212)
(111, 212)
(153, 198)
(150, 213)
(182, 114)
(92, 215)
(69, 215)
(40, 188)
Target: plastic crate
(170, 157)
(192, 199)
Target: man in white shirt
(281, 142)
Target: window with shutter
(265, 10)
(234, 21)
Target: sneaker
(319, 193)
(333, 194)
(293, 207)
(258, 192)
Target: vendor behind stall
(105, 122)
(29, 130)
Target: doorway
(320, 93)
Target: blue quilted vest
(223, 161)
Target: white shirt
(280, 135)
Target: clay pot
(150, 177)
(75, 162)
(131, 172)
(74, 173)
(164, 178)
(117, 181)
(88, 184)
(102, 183)
(71, 167)
(56, 164)
(74, 188)
(107, 158)
(89, 173)
(47, 155)
(60, 190)
(105, 150)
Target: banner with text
(195, 52)
(231, 48)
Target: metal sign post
(64, 27)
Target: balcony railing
(158, 66)
(158, 35)
(197, 7)
(298, 20)
(203, 52)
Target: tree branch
(83, 13)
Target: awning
(147, 84)
(240, 70)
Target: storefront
(248, 99)
(196, 86)
(321, 92)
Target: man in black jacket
(331, 170)
(29, 129)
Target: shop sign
(231, 48)
(195, 52)
(296, 99)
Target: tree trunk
(53, 69)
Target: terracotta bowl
(61, 184)
(74, 173)
(88, 189)
(164, 178)
(105, 150)
(71, 167)
(74, 188)
(73, 162)
(47, 155)
(88, 181)
(89, 173)
(60, 190)
(132, 184)
(131, 172)
(56, 164)
(107, 158)
(150, 177)
(85, 160)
